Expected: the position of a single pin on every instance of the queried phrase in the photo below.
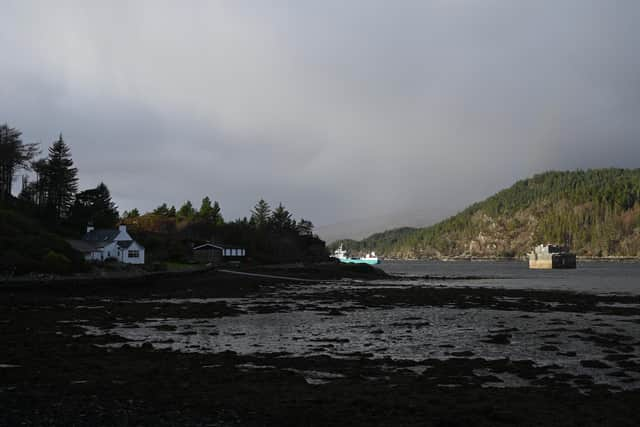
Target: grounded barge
(551, 256)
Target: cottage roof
(84, 246)
(101, 235)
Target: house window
(133, 254)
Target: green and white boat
(341, 255)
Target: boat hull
(370, 261)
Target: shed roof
(220, 246)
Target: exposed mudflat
(214, 349)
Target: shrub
(57, 263)
(156, 267)
(25, 243)
(13, 262)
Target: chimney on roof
(90, 227)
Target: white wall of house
(110, 250)
(134, 254)
(95, 255)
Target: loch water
(600, 277)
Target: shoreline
(513, 259)
(313, 271)
(96, 278)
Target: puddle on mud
(561, 339)
(328, 319)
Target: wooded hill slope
(596, 212)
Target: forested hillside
(596, 212)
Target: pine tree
(218, 213)
(281, 219)
(304, 227)
(186, 211)
(61, 179)
(206, 211)
(210, 214)
(133, 213)
(94, 206)
(161, 210)
(260, 214)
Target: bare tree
(14, 155)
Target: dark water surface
(590, 276)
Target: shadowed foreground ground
(53, 373)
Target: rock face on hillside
(595, 212)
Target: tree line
(52, 192)
(262, 216)
(269, 235)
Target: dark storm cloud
(338, 109)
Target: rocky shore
(211, 348)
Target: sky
(339, 109)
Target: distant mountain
(361, 228)
(596, 212)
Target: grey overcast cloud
(338, 109)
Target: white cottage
(102, 244)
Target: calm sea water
(590, 276)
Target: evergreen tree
(217, 214)
(172, 212)
(133, 213)
(210, 214)
(161, 210)
(186, 211)
(304, 227)
(61, 179)
(281, 219)
(94, 206)
(260, 214)
(206, 210)
(14, 155)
